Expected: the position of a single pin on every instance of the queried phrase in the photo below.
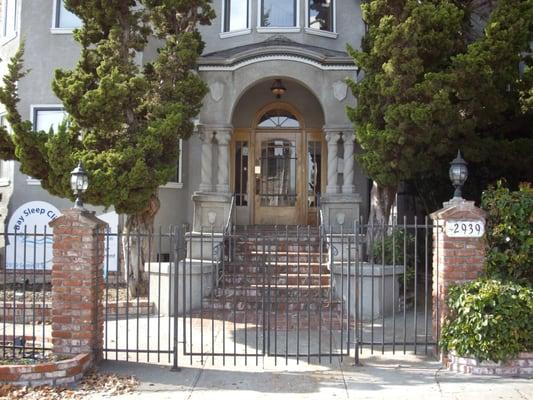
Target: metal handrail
(230, 215)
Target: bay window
(236, 15)
(321, 15)
(278, 13)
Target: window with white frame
(278, 13)
(236, 15)
(176, 181)
(9, 17)
(63, 18)
(46, 118)
(320, 15)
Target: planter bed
(45, 372)
(522, 366)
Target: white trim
(268, 29)
(5, 182)
(62, 31)
(274, 57)
(278, 29)
(319, 32)
(172, 185)
(32, 181)
(225, 35)
(9, 38)
(313, 31)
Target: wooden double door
(278, 175)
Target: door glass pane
(278, 13)
(278, 119)
(277, 185)
(241, 173)
(321, 15)
(314, 174)
(236, 15)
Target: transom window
(278, 13)
(236, 15)
(278, 119)
(320, 15)
(64, 18)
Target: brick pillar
(455, 259)
(77, 284)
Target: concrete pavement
(380, 377)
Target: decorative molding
(318, 32)
(340, 90)
(217, 91)
(226, 35)
(278, 57)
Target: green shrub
(390, 251)
(489, 320)
(392, 248)
(509, 233)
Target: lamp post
(458, 174)
(79, 182)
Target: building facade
(273, 138)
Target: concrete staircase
(276, 277)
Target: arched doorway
(279, 168)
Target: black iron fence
(288, 293)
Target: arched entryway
(279, 162)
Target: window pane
(278, 13)
(278, 119)
(66, 19)
(321, 14)
(176, 178)
(10, 17)
(236, 15)
(241, 173)
(46, 119)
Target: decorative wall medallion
(340, 218)
(340, 90)
(211, 217)
(217, 91)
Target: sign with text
(27, 246)
(111, 241)
(465, 228)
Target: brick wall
(455, 260)
(77, 284)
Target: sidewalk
(380, 377)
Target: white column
(333, 160)
(348, 185)
(206, 136)
(223, 138)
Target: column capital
(333, 137)
(348, 136)
(224, 137)
(205, 133)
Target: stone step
(278, 247)
(310, 293)
(241, 280)
(281, 305)
(282, 257)
(251, 268)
